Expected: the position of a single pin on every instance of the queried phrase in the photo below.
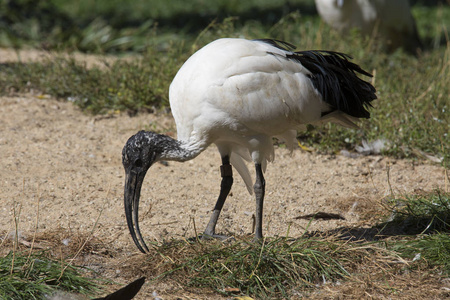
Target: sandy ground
(69, 164)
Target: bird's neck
(180, 150)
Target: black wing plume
(335, 77)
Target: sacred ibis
(238, 94)
(390, 20)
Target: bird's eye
(138, 163)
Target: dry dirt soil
(63, 168)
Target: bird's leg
(225, 187)
(259, 188)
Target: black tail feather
(335, 77)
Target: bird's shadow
(398, 226)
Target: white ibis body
(238, 94)
(391, 20)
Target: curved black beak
(133, 184)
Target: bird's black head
(138, 155)
(139, 152)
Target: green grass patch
(33, 276)
(119, 25)
(273, 268)
(123, 85)
(423, 224)
(419, 214)
(428, 251)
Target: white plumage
(390, 20)
(239, 94)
